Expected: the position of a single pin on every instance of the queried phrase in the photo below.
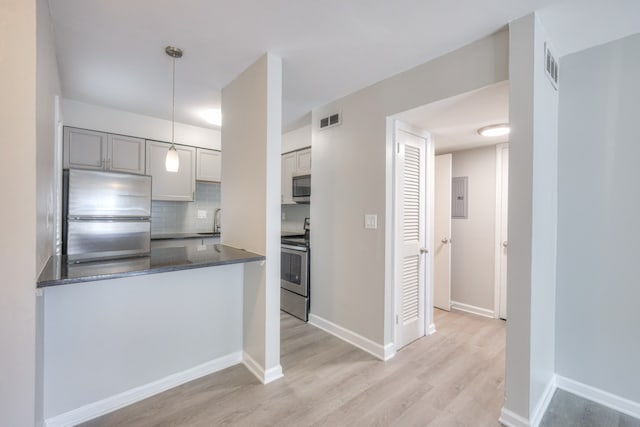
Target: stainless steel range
(294, 274)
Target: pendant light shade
(172, 161)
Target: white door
(442, 235)
(410, 234)
(502, 240)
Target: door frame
(498, 227)
(428, 310)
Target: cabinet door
(85, 149)
(303, 161)
(178, 186)
(126, 154)
(288, 168)
(209, 165)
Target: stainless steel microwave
(301, 190)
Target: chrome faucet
(216, 220)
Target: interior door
(411, 149)
(503, 241)
(442, 234)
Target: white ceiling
(575, 25)
(454, 122)
(111, 52)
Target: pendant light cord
(173, 103)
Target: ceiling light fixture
(212, 116)
(172, 162)
(495, 130)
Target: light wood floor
(452, 378)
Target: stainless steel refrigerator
(108, 215)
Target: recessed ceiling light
(212, 116)
(495, 130)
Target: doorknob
(424, 250)
(505, 243)
(445, 240)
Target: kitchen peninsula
(122, 330)
(59, 272)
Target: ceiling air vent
(551, 67)
(329, 121)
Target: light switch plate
(202, 214)
(371, 221)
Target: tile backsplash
(293, 217)
(182, 217)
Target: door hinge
(396, 319)
(398, 147)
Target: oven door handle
(294, 248)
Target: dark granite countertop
(58, 272)
(171, 236)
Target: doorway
(465, 250)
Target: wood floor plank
(453, 377)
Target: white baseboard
(112, 403)
(379, 351)
(472, 309)
(256, 369)
(543, 403)
(431, 329)
(602, 397)
(511, 419)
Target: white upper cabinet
(209, 165)
(289, 162)
(126, 154)
(84, 149)
(89, 149)
(303, 160)
(177, 186)
(294, 163)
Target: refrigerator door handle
(110, 218)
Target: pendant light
(172, 162)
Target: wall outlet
(371, 221)
(202, 214)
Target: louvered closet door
(411, 213)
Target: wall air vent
(330, 121)
(551, 67)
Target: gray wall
(18, 260)
(533, 113)
(598, 237)
(352, 176)
(252, 192)
(47, 88)
(473, 238)
(28, 83)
